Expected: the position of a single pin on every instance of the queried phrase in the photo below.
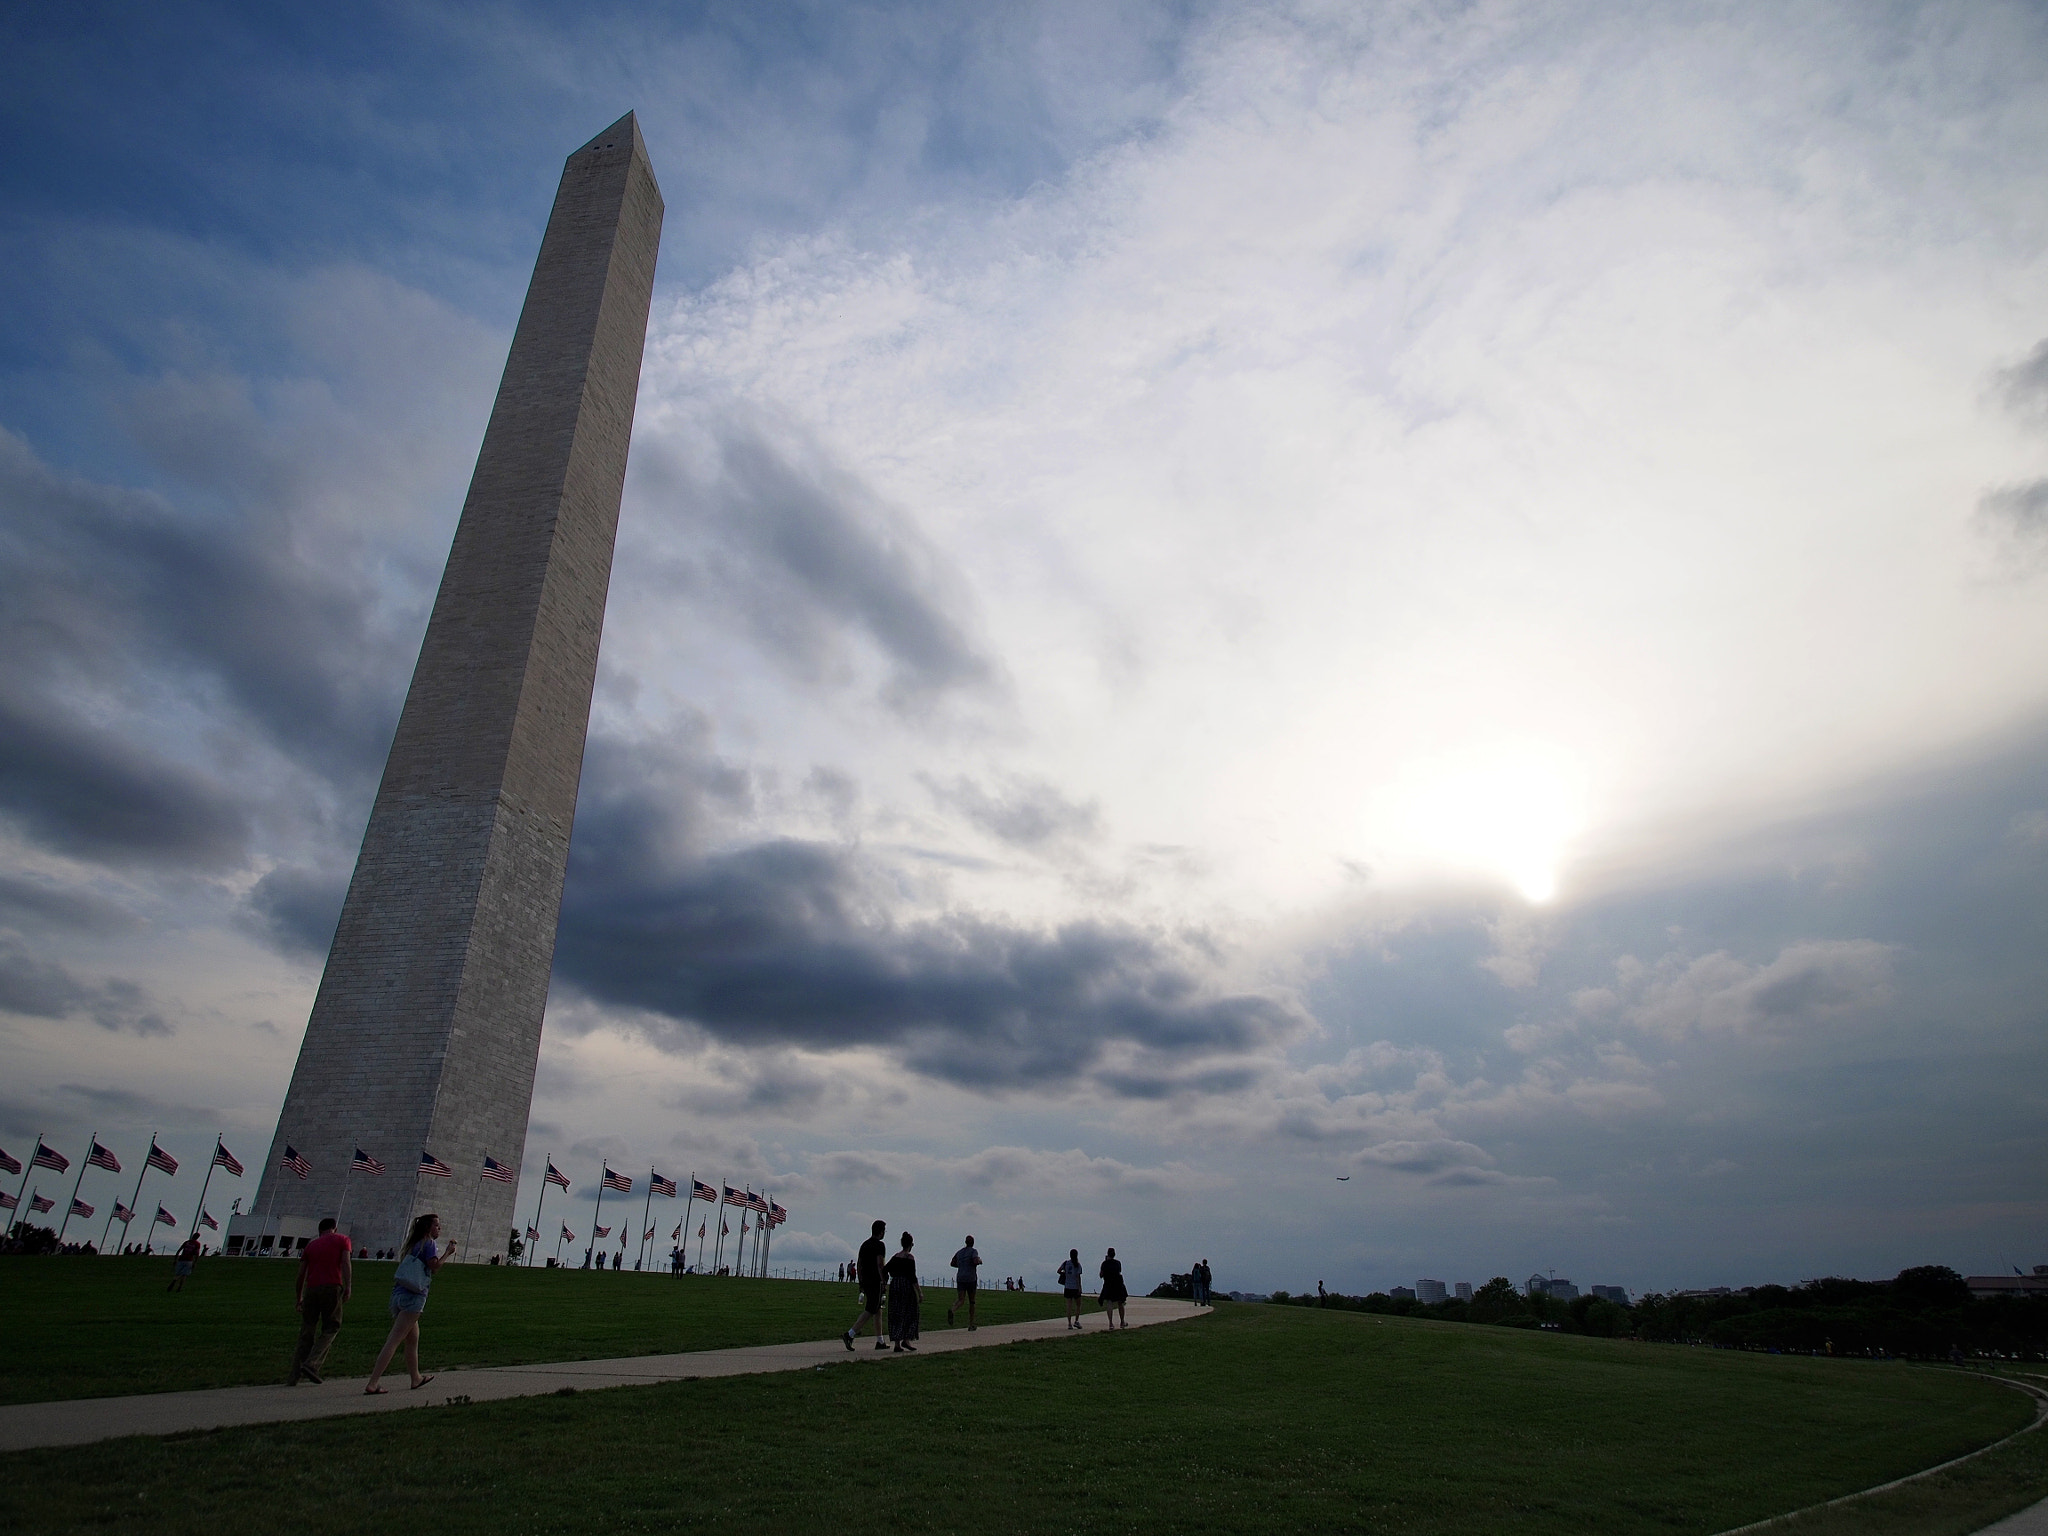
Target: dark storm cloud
(95, 794)
(793, 943)
(811, 558)
(43, 989)
(39, 904)
(107, 577)
(1027, 813)
(296, 909)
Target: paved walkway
(2028, 1522)
(85, 1420)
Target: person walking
(1070, 1282)
(1202, 1284)
(326, 1279)
(409, 1285)
(905, 1298)
(966, 1281)
(867, 1269)
(181, 1266)
(1113, 1295)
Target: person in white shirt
(1070, 1282)
(966, 1281)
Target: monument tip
(625, 132)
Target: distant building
(1618, 1294)
(1984, 1287)
(1707, 1295)
(1464, 1290)
(1429, 1292)
(1537, 1285)
(1401, 1293)
(1544, 1285)
(1563, 1290)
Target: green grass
(72, 1327)
(1255, 1419)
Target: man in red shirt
(325, 1280)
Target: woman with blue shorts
(409, 1300)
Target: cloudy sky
(1212, 599)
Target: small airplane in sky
(1343, 1178)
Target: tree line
(1926, 1312)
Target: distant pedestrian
(906, 1298)
(867, 1268)
(966, 1281)
(1200, 1279)
(326, 1280)
(181, 1266)
(409, 1285)
(1322, 1296)
(1113, 1294)
(1070, 1282)
(619, 1261)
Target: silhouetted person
(326, 1280)
(867, 1268)
(1113, 1294)
(1070, 1283)
(906, 1298)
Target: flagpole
(469, 1226)
(647, 1209)
(601, 1171)
(771, 1234)
(543, 1200)
(276, 1180)
(561, 1232)
(346, 1174)
(206, 1183)
(135, 1204)
(77, 1184)
(692, 1200)
(718, 1248)
(27, 1173)
(110, 1217)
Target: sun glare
(1507, 811)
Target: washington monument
(425, 1032)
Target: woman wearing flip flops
(409, 1286)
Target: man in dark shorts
(867, 1268)
(325, 1280)
(1070, 1282)
(966, 1268)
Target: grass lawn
(73, 1327)
(1256, 1419)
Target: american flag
(567, 1235)
(223, 1158)
(724, 1229)
(362, 1162)
(47, 1158)
(677, 1234)
(100, 1157)
(603, 1233)
(617, 1181)
(701, 1226)
(9, 1203)
(699, 1190)
(662, 1186)
(756, 1203)
(733, 1197)
(207, 1221)
(10, 1164)
(744, 1228)
(122, 1214)
(498, 1172)
(555, 1176)
(777, 1214)
(41, 1203)
(647, 1236)
(80, 1208)
(532, 1235)
(432, 1164)
(296, 1163)
(159, 1158)
(164, 1218)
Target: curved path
(82, 1421)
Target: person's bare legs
(412, 1353)
(404, 1328)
